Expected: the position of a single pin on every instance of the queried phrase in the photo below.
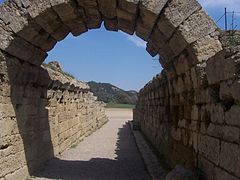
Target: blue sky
(106, 56)
(215, 8)
(118, 58)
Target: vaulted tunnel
(182, 111)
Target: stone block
(67, 11)
(185, 137)
(12, 163)
(44, 41)
(176, 133)
(188, 81)
(108, 8)
(227, 67)
(187, 112)
(230, 89)
(230, 158)
(149, 12)
(156, 41)
(182, 64)
(204, 49)
(130, 6)
(166, 55)
(227, 133)
(206, 167)
(77, 27)
(198, 75)
(175, 13)
(7, 127)
(178, 85)
(7, 110)
(5, 90)
(232, 116)
(47, 18)
(209, 147)
(197, 26)
(21, 173)
(20, 48)
(5, 100)
(152, 49)
(193, 140)
(220, 174)
(87, 3)
(217, 113)
(16, 19)
(111, 24)
(142, 31)
(126, 21)
(93, 17)
(177, 43)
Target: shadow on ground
(127, 165)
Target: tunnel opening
(191, 55)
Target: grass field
(114, 105)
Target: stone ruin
(43, 112)
(190, 112)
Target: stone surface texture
(42, 113)
(189, 112)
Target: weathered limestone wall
(73, 112)
(40, 117)
(190, 112)
(195, 120)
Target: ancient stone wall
(73, 111)
(40, 117)
(190, 112)
(195, 120)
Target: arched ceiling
(176, 29)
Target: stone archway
(172, 108)
(168, 27)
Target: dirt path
(108, 154)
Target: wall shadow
(28, 93)
(127, 165)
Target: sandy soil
(117, 113)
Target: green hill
(111, 94)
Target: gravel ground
(109, 153)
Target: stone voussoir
(126, 21)
(188, 112)
(149, 11)
(90, 12)
(19, 21)
(108, 9)
(67, 10)
(197, 26)
(41, 11)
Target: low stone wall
(195, 120)
(72, 116)
(40, 116)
